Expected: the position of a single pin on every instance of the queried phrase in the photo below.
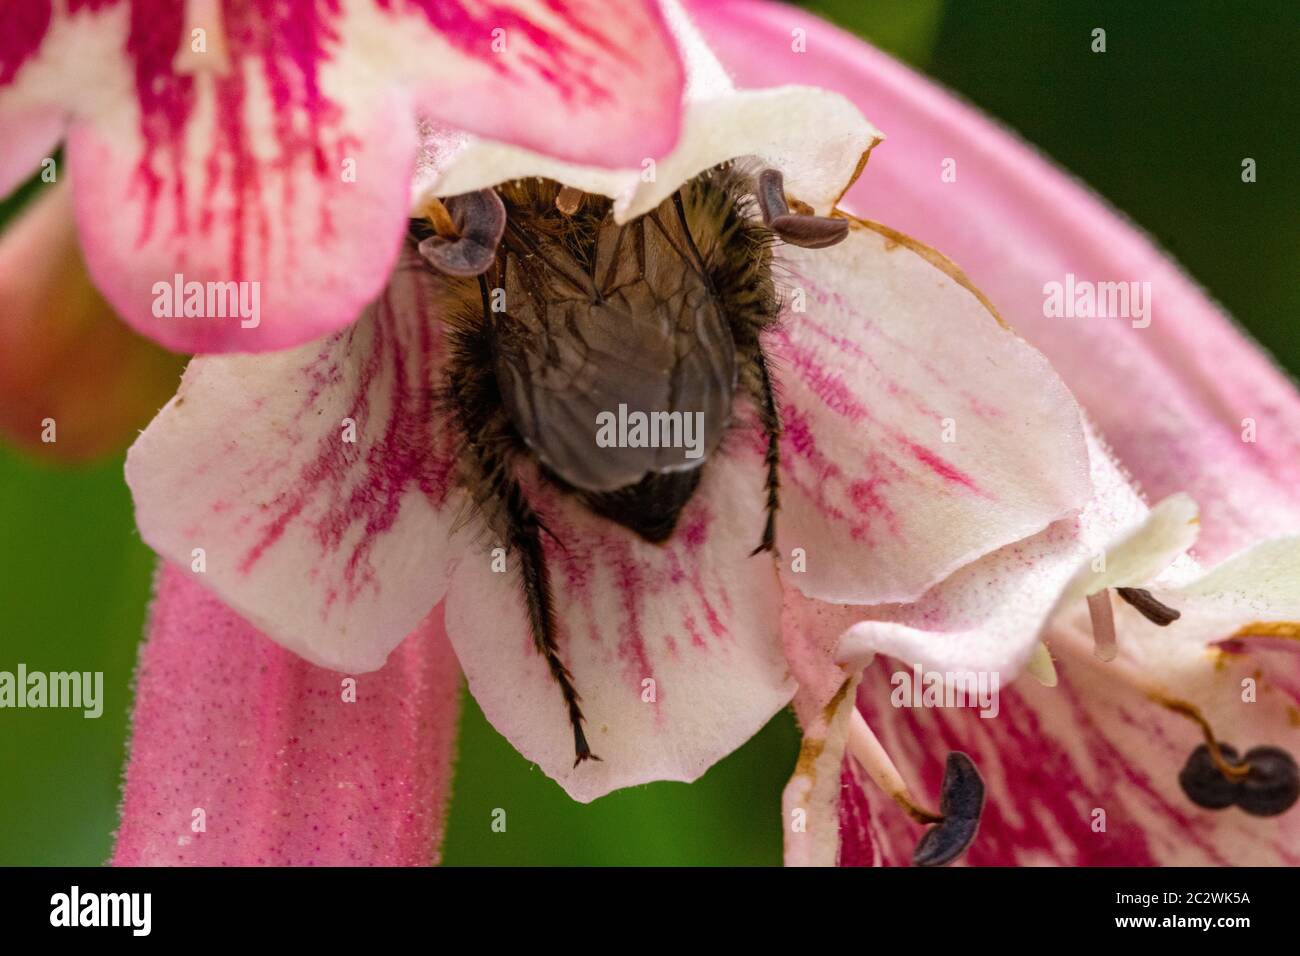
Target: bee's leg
(757, 376)
(520, 531)
(485, 471)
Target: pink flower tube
(246, 755)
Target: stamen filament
(438, 216)
(1154, 692)
(868, 751)
(1105, 644)
(1192, 712)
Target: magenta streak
(166, 101)
(824, 383)
(857, 848)
(866, 325)
(289, 39)
(631, 645)
(800, 444)
(1041, 783)
(697, 639)
(25, 26)
(548, 54)
(941, 467)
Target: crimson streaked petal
(674, 648)
(276, 149)
(989, 615)
(318, 481)
(920, 432)
(1053, 757)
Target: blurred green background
(1185, 90)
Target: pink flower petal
(573, 80)
(279, 155)
(1015, 223)
(674, 648)
(920, 433)
(244, 754)
(307, 248)
(317, 482)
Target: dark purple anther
(1203, 781)
(1153, 610)
(961, 802)
(1273, 784)
(1270, 785)
(798, 229)
(480, 219)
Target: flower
(271, 143)
(1086, 771)
(340, 549)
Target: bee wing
(577, 371)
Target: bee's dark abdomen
(651, 507)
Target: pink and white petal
(307, 248)
(279, 155)
(1053, 757)
(51, 61)
(1253, 593)
(572, 80)
(824, 702)
(275, 159)
(990, 615)
(302, 203)
(818, 139)
(920, 432)
(675, 649)
(317, 481)
(244, 755)
(1015, 222)
(810, 802)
